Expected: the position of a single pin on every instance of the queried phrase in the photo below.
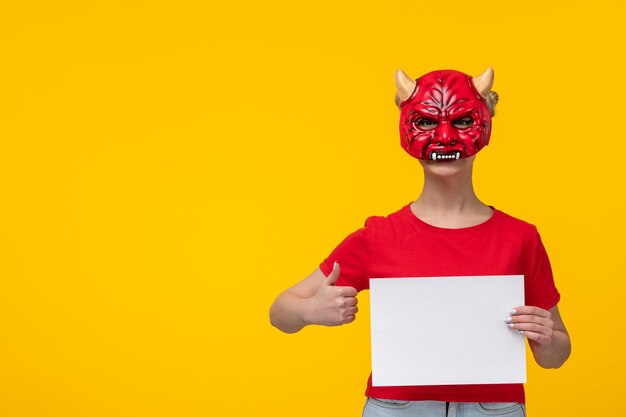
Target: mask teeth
(438, 157)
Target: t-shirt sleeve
(352, 256)
(540, 289)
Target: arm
(314, 300)
(546, 334)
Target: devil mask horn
(405, 86)
(484, 82)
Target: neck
(447, 194)
(450, 200)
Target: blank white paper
(446, 331)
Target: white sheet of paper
(446, 331)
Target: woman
(445, 120)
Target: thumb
(331, 279)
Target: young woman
(445, 120)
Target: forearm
(555, 354)
(288, 313)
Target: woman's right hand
(332, 305)
(314, 300)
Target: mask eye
(425, 124)
(463, 123)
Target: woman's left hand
(533, 322)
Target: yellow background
(167, 168)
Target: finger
(347, 291)
(332, 278)
(537, 337)
(530, 310)
(529, 319)
(351, 311)
(532, 327)
(351, 301)
(349, 319)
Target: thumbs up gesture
(333, 305)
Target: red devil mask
(445, 115)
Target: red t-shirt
(401, 245)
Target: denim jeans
(375, 407)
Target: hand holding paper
(534, 322)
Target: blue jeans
(375, 407)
